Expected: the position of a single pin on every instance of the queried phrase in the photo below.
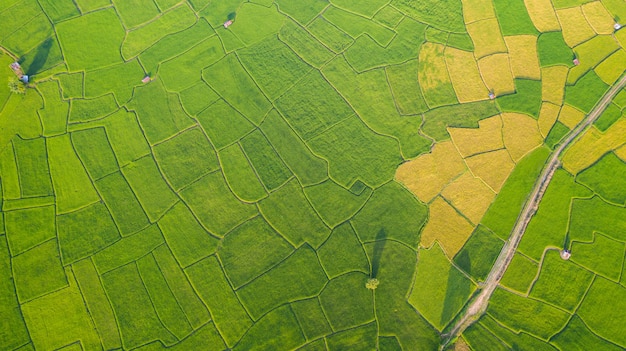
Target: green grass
(440, 289)
(343, 253)
(395, 212)
(91, 41)
(84, 232)
(38, 271)
(186, 238)
(527, 98)
(552, 50)
(32, 165)
(561, 283)
(479, 253)
(513, 17)
(586, 92)
(122, 202)
(185, 158)
(437, 121)
(223, 212)
(290, 202)
(600, 256)
(298, 276)
(600, 179)
(227, 313)
(335, 203)
(347, 302)
(603, 303)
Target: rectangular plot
(17, 333)
(479, 253)
(136, 317)
(86, 231)
(126, 137)
(486, 37)
(119, 79)
(197, 314)
(223, 124)
(29, 227)
(143, 37)
(267, 163)
(10, 178)
(122, 202)
(405, 88)
(89, 5)
(71, 85)
(297, 277)
(32, 165)
(233, 83)
(165, 303)
(334, 203)
(331, 36)
(174, 44)
(197, 98)
(38, 271)
(59, 10)
(54, 116)
(311, 318)
(278, 329)
(603, 303)
(229, 316)
(71, 183)
(464, 75)
(97, 303)
(302, 11)
(148, 184)
(356, 25)
(305, 45)
(185, 158)
(240, 175)
(128, 249)
(94, 150)
(84, 110)
(135, 12)
(31, 202)
(513, 17)
(186, 238)
(30, 35)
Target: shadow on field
(457, 291)
(40, 58)
(379, 245)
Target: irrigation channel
(478, 305)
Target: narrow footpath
(478, 305)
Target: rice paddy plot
(590, 54)
(513, 17)
(445, 226)
(575, 27)
(612, 67)
(600, 256)
(542, 14)
(476, 10)
(334, 203)
(470, 196)
(486, 37)
(308, 48)
(577, 336)
(526, 100)
(592, 145)
(311, 318)
(520, 274)
(552, 50)
(598, 17)
(54, 116)
(346, 295)
(135, 12)
(586, 92)
(496, 73)
(584, 220)
(553, 83)
(302, 11)
(444, 15)
(355, 25)
(29, 227)
(255, 22)
(523, 56)
(279, 328)
(119, 79)
(479, 253)
(405, 88)
(521, 340)
(328, 34)
(122, 202)
(547, 118)
(602, 303)
(240, 176)
(472, 141)
(611, 114)
(548, 228)
(465, 76)
(433, 76)
(32, 165)
(85, 110)
(342, 252)
(492, 167)
(599, 178)
(478, 336)
(467, 115)
(440, 289)
(267, 163)
(383, 216)
(72, 85)
(388, 16)
(38, 271)
(59, 10)
(521, 135)
(197, 98)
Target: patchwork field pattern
(195, 174)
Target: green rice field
(228, 174)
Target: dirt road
(479, 304)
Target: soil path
(479, 304)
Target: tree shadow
(231, 16)
(458, 291)
(379, 246)
(40, 58)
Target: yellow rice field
(466, 80)
(492, 167)
(620, 35)
(612, 68)
(598, 17)
(447, 227)
(496, 72)
(542, 14)
(592, 145)
(570, 116)
(590, 54)
(487, 37)
(547, 117)
(470, 195)
(553, 83)
(426, 175)
(575, 27)
(476, 10)
(621, 153)
(523, 56)
(521, 134)
(471, 141)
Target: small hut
(146, 79)
(575, 61)
(228, 23)
(566, 254)
(617, 26)
(492, 95)
(17, 69)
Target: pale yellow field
(523, 56)
(547, 116)
(553, 83)
(487, 37)
(542, 14)
(575, 27)
(426, 175)
(620, 35)
(476, 10)
(492, 167)
(590, 54)
(466, 80)
(471, 141)
(592, 145)
(621, 153)
(521, 134)
(470, 196)
(570, 116)
(598, 17)
(612, 68)
(447, 227)
(496, 73)
(433, 71)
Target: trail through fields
(479, 304)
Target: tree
(372, 283)
(16, 86)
